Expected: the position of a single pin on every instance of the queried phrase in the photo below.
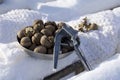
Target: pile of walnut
(40, 37)
(85, 26)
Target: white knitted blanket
(16, 65)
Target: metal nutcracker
(68, 31)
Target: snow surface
(68, 9)
(98, 45)
(72, 9)
(108, 70)
(15, 64)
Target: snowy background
(98, 46)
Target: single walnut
(36, 38)
(32, 47)
(93, 27)
(45, 42)
(50, 23)
(50, 27)
(21, 34)
(25, 42)
(38, 27)
(46, 32)
(40, 49)
(29, 31)
(38, 22)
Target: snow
(8, 5)
(17, 65)
(57, 8)
(72, 9)
(108, 70)
(98, 45)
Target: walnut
(32, 47)
(93, 27)
(38, 27)
(25, 42)
(40, 49)
(45, 42)
(36, 38)
(50, 27)
(21, 34)
(50, 23)
(46, 32)
(29, 31)
(37, 22)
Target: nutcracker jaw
(67, 31)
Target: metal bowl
(41, 55)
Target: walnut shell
(25, 42)
(50, 23)
(38, 27)
(46, 32)
(93, 27)
(32, 47)
(29, 31)
(21, 34)
(40, 49)
(36, 38)
(50, 27)
(37, 22)
(45, 42)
